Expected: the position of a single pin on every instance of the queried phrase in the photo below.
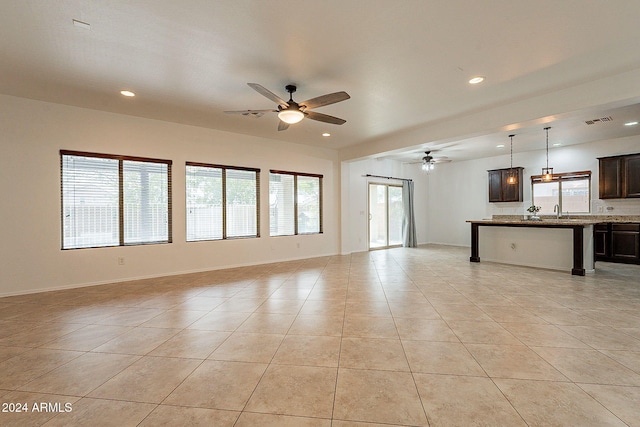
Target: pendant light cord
(511, 136)
(547, 129)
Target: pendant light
(547, 173)
(512, 179)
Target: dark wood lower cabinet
(617, 243)
(601, 237)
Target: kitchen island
(550, 243)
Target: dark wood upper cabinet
(631, 167)
(495, 186)
(619, 177)
(610, 178)
(500, 190)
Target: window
(114, 200)
(295, 203)
(570, 191)
(222, 202)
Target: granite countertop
(576, 220)
(543, 223)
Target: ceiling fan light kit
(428, 166)
(428, 162)
(291, 116)
(291, 112)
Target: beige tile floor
(410, 337)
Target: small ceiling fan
(428, 161)
(290, 112)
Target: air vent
(80, 24)
(600, 120)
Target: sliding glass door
(385, 216)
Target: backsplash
(609, 207)
(615, 207)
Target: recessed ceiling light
(326, 134)
(631, 123)
(127, 93)
(500, 146)
(475, 80)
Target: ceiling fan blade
(267, 93)
(282, 125)
(323, 100)
(324, 118)
(256, 113)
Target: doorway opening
(385, 216)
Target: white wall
(458, 191)
(355, 198)
(33, 132)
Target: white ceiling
(405, 63)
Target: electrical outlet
(120, 260)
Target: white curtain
(409, 239)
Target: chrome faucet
(558, 212)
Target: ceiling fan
(428, 161)
(290, 112)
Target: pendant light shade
(547, 173)
(512, 179)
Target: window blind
(564, 176)
(90, 202)
(295, 203)
(308, 204)
(222, 202)
(241, 203)
(145, 196)
(110, 200)
(204, 203)
(281, 205)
